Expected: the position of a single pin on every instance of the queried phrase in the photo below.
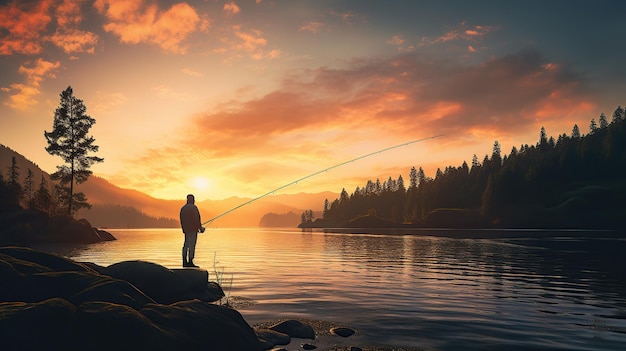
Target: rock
(354, 348)
(50, 261)
(270, 338)
(31, 226)
(104, 235)
(183, 284)
(80, 287)
(295, 329)
(203, 326)
(108, 326)
(343, 332)
(308, 346)
(36, 326)
(43, 306)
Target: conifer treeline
(23, 192)
(573, 181)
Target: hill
(24, 164)
(574, 181)
(113, 206)
(99, 191)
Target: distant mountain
(100, 191)
(114, 206)
(24, 164)
(276, 220)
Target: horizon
(232, 99)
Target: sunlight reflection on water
(420, 291)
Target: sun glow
(200, 184)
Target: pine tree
(618, 115)
(16, 192)
(603, 121)
(496, 156)
(543, 136)
(413, 178)
(575, 132)
(29, 186)
(593, 126)
(70, 141)
(42, 200)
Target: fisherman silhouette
(191, 225)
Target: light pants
(189, 247)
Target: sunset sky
(235, 98)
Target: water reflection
(425, 291)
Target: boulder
(31, 226)
(48, 302)
(41, 325)
(270, 338)
(50, 261)
(343, 332)
(203, 326)
(295, 329)
(109, 326)
(182, 284)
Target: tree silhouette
(69, 140)
(575, 132)
(572, 182)
(603, 121)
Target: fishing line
(318, 172)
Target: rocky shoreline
(51, 302)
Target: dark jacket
(190, 218)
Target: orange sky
(235, 98)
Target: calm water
(557, 293)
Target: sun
(201, 183)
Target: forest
(573, 181)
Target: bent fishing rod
(316, 173)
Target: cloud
(348, 17)
(313, 27)
(191, 72)
(68, 36)
(406, 95)
(463, 32)
(106, 102)
(137, 22)
(232, 8)
(327, 115)
(249, 43)
(22, 25)
(75, 41)
(24, 94)
(400, 42)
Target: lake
(561, 291)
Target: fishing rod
(319, 172)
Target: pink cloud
(250, 43)
(407, 95)
(462, 32)
(68, 36)
(24, 94)
(138, 22)
(232, 8)
(75, 41)
(26, 25)
(22, 26)
(313, 27)
(320, 116)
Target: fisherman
(191, 225)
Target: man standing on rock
(191, 224)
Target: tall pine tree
(69, 140)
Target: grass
(219, 279)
